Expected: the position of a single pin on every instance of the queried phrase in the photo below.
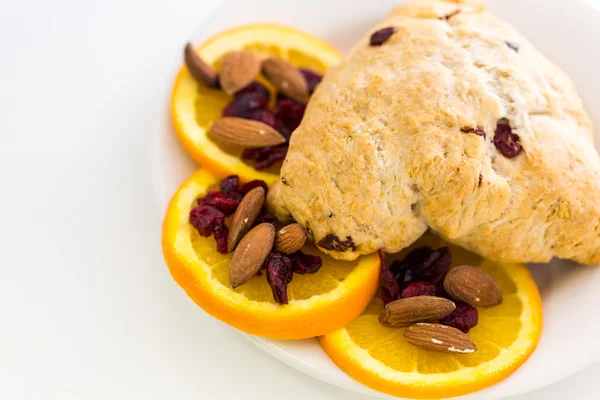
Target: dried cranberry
(440, 291)
(464, 317)
(205, 219)
(288, 114)
(252, 184)
(221, 234)
(419, 288)
(390, 290)
(305, 263)
(332, 242)
(435, 267)
(478, 131)
(312, 79)
(253, 97)
(266, 156)
(381, 36)
(279, 275)
(263, 116)
(230, 184)
(227, 203)
(505, 141)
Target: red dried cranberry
(312, 79)
(205, 219)
(224, 202)
(332, 242)
(440, 291)
(257, 89)
(305, 263)
(390, 290)
(263, 116)
(252, 184)
(279, 275)
(253, 97)
(288, 114)
(419, 288)
(381, 36)
(221, 234)
(505, 141)
(230, 184)
(266, 156)
(435, 267)
(464, 317)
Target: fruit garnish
(321, 298)
(387, 359)
(196, 106)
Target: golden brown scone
(386, 148)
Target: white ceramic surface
(568, 32)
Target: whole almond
(290, 239)
(286, 78)
(201, 71)
(245, 133)
(245, 215)
(239, 69)
(472, 286)
(251, 253)
(437, 337)
(405, 312)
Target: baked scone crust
(380, 156)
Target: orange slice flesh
(505, 336)
(195, 107)
(318, 303)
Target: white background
(81, 84)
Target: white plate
(566, 31)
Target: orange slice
(319, 303)
(505, 336)
(195, 107)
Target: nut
(201, 71)
(405, 312)
(245, 215)
(239, 70)
(472, 286)
(245, 133)
(437, 337)
(286, 78)
(290, 239)
(251, 253)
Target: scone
(457, 124)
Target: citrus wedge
(505, 336)
(318, 303)
(195, 107)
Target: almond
(286, 78)
(437, 337)
(405, 312)
(201, 71)
(239, 69)
(251, 253)
(472, 286)
(245, 133)
(290, 239)
(245, 215)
